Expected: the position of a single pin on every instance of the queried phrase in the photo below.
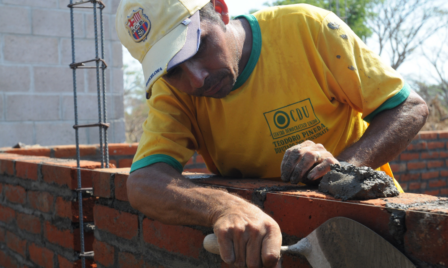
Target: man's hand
(248, 237)
(306, 162)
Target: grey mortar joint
(259, 194)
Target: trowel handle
(212, 246)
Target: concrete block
(13, 133)
(119, 131)
(33, 3)
(87, 108)
(58, 133)
(113, 30)
(92, 80)
(115, 133)
(63, 5)
(1, 107)
(90, 26)
(118, 84)
(43, 50)
(118, 107)
(8, 20)
(32, 107)
(57, 79)
(85, 50)
(117, 54)
(57, 23)
(14, 78)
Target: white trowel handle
(212, 246)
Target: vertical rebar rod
(100, 117)
(106, 146)
(75, 98)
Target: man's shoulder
(303, 11)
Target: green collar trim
(254, 54)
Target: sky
(415, 67)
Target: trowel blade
(342, 242)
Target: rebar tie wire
(102, 117)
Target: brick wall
(39, 223)
(36, 84)
(423, 166)
(39, 217)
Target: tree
(400, 27)
(353, 12)
(136, 109)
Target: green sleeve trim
(254, 54)
(156, 158)
(391, 103)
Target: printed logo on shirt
(292, 118)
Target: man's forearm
(161, 193)
(388, 134)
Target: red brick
(444, 173)
(116, 222)
(120, 186)
(404, 186)
(2, 235)
(426, 237)
(125, 163)
(122, 149)
(417, 146)
(177, 239)
(409, 177)
(423, 185)
(398, 167)
(437, 183)
(430, 155)
(15, 194)
(414, 185)
(416, 165)
(432, 192)
(41, 256)
(128, 260)
(56, 174)
(65, 173)
(42, 201)
(434, 164)
(27, 169)
(430, 175)
(16, 243)
(28, 223)
(70, 209)
(409, 156)
(436, 145)
(443, 134)
(6, 214)
(443, 154)
(112, 162)
(102, 181)
(7, 167)
(104, 253)
(444, 191)
(31, 151)
(64, 238)
(69, 151)
(428, 135)
(7, 261)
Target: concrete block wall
(36, 83)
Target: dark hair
(208, 13)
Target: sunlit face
(212, 72)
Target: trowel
(340, 242)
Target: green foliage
(354, 12)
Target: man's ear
(221, 8)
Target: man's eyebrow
(172, 71)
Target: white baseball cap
(160, 34)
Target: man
(284, 93)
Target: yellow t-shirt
(309, 77)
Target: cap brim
(174, 48)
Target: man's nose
(195, 72)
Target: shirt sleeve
(168, 132)
(356, 75)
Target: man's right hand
(247, 236)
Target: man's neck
(243, 35)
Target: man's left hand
(306, 162)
